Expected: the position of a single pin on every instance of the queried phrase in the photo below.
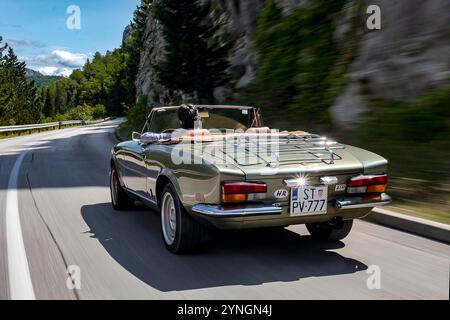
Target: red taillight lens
(243, 191)
(368, 184)
(243, 187)
(368, 180)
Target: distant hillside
(41, 80)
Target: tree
(49, 107)
(196, 57)
(19, 103)
(132, 48)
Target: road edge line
(20, 284)
(428, 229)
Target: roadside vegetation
(301, 72)
(304, 72)
(19, 101)
(414, 137)
(105, 86)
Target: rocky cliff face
(240, 17)
(405, 59)
(146, 81)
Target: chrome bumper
(361, 202)
(223, 212)
(217, 211)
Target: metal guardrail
(46, 126)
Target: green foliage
(59, 117)
(195, 55)
(300, 64)
(87, 112)
(100, 82)
(413, 135)
(137, 115)
(19, 103)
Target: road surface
(61, 204)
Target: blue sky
(38, 32)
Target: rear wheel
(181, 233)
(330, 231)
(120, 200)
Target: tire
(120, 200)
(180, 232)
(330, 232)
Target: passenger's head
(187, 115)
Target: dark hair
(187, 115)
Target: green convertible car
(231, 172)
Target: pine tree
(18, 103)
(196, 57)
(48, 108)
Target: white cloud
(55, 71)
(48, 71)
(64, 58)
(57, 62)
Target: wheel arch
(163, 179)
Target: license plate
(308, 200)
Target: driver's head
(187, 113)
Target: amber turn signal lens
(376, 189)
(234, 197)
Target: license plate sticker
(309, 200)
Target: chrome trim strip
(358, 202)
(329, 180)
(221, 212)
(153, 202)
(292, 183)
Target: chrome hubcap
(168, 218)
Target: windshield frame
(254, 114)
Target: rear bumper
(361, 202)
(266, 215)
(262, 210)
(247, 211)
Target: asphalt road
(66, 219)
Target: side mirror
(136, 136)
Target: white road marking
(20, 285)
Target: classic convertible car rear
(233, 173)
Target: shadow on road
(133, 239)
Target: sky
(55, 37)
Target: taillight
(243, 191)
(368, 184)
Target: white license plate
(308, 200)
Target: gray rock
(240, 17)
(405, 59)
(127, 33)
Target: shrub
(137, 115)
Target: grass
(414, 137)
(421, 210)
